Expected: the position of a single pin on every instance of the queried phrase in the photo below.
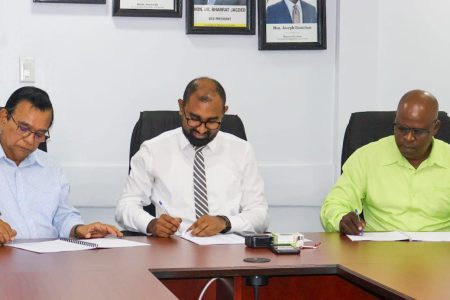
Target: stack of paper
(219, 239)
(62, 245)
(402, 236)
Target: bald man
(400, 182)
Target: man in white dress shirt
(162, 172)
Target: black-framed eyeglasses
(25, 131)
(417, 132)
(194, 123)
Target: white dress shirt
(162, 172)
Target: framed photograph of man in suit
(147, 8)
(220, 16)
(292, 24)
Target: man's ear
(225, 109)
(180, 107)
(3, 117)
(436, 127)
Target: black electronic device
(285, 249)
(258, 240)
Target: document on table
(63, 245)
(402, 236)
(218, 239)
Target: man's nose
(202, 128)
(410, 136)
(30, 139)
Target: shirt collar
(436, 156)
(29, 160)
(291, 5)
(185, 144)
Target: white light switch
(27, 69)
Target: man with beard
(199, 178)
(401, 182)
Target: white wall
(386, 48)
(101, 71)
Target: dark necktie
(200, 192)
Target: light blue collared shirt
(34, 197)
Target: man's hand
(95, 230)
(7, 234)
(164, 226)
(351, 224)
(207, 226)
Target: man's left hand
(207, 226)
(96, 230)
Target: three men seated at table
(33, 189)
(401, 182)
(207, 182)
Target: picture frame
(148, 8)
(72, 1)
(278, 31)
(220, 17)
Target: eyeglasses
(25, 131)
(211, 125)
(417, 132)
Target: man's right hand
(7, 234)
(164, 226)
(351, 224)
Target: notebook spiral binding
(87, 244)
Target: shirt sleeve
(129, 212)
(347, 194)
(253, 214)
(66, 216)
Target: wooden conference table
(174, 268)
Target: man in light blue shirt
(33, 189)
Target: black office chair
(370, 126)
(153, 123)
(42, 146)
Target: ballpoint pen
(361, 231)
(165, 211)
(163, 208)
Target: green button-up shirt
(393, 195)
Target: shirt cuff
(142, 222)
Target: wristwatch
(227, 224)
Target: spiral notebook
(64, 244)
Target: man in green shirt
(401, 182)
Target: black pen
(361, 232)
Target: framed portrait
(72, 1)
(292, 24)
(220, 16)
(148, 8)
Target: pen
(315, 246)
(165, 211)
(361, 231)
(163, 208)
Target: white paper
(219, 239)
(401, 236)
(429, 236)
(114, 243)
(50, 246)
(63, 246)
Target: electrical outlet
(27, 69)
